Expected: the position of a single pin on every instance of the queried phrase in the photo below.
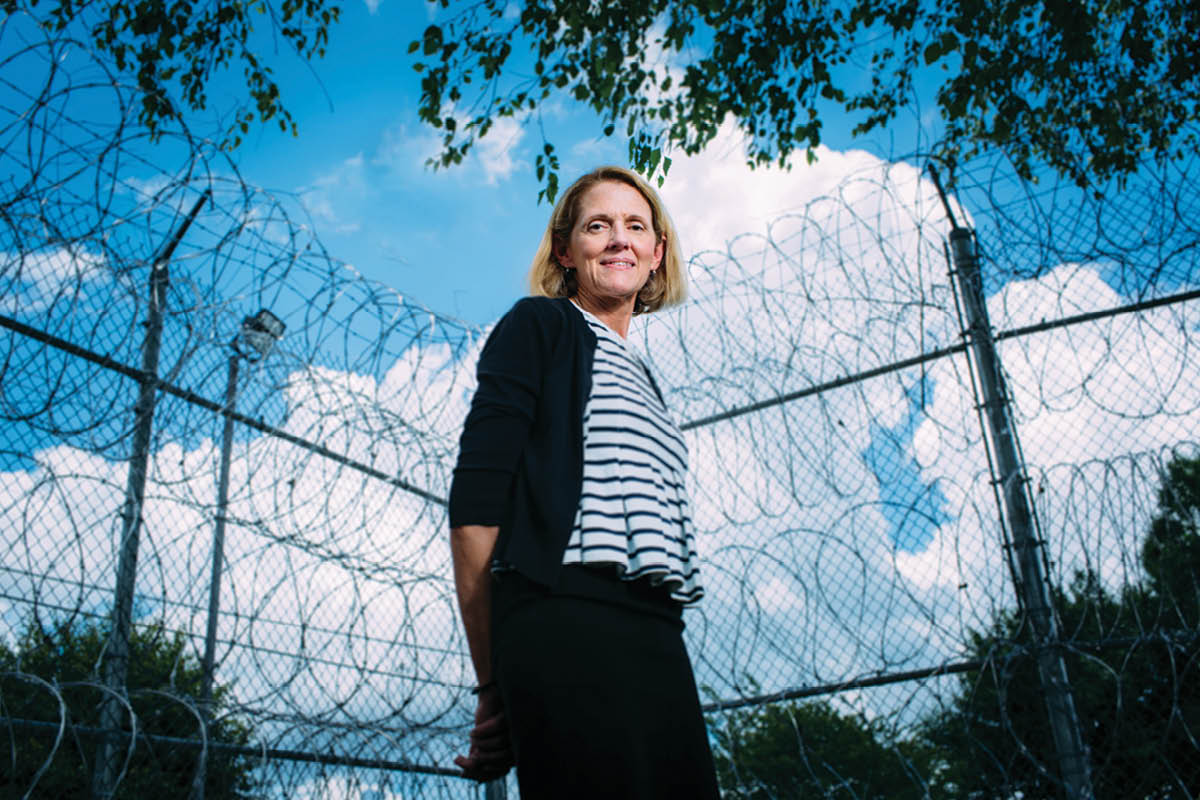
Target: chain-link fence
(901, 467)
(950, 518)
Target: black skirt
(598, 689)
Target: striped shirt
(633, 511)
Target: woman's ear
(562, 257)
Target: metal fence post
(116, 651)
(214, 583)
(258, 334)
(1029, 571)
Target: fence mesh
(865, 632)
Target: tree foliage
(1090, 87)
(49, 673)
(810, 750)
(172, 49)
(1171, 551)
(1133, 659)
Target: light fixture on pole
(258, 335)
(254, 341)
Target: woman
(570, 533)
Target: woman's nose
(619, 238)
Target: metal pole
(496, 790)
(116, 652)
(1028, 572)
(214, 583)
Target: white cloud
(839, 269)
(148, 190)
(802, 277)
(34, 281)
(336, 589)
(338, 584)
(493, 158)
(1098, 407)
(497, 151)
(588, 153)
(340, 198)
(401, 151)
(792, 271)
(327, 198)
(714, 198)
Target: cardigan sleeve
(497, 426)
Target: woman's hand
(491, 755)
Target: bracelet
(483, 687)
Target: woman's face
(612, 246)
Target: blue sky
(862, 515)
(457, 240)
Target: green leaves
(172, 50)
(944, 45)
(431, 41)
(811, 750)
(597, 55)
(1087, 88)
(164, 685)
(547, 173)
(1101, 84)
(1131, 659)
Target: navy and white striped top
(633, 511)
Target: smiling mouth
(618, 264)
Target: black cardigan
(520, 460)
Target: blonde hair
(666, 286)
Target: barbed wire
(840, 477)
